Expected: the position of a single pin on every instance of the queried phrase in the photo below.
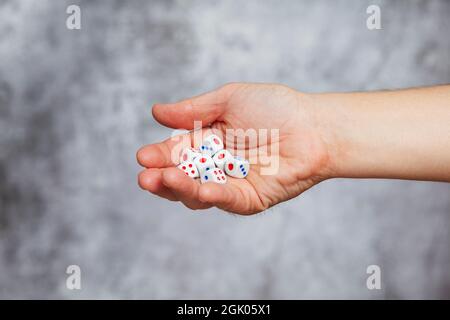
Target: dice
(221, 157)
(211, 145)
(211, 162)
(237, 167)
(204, 163)
(189, 168)
(214, 175)
(189, 154)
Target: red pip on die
(213, 175)
(189, 154)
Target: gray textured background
(75, 106)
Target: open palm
(300, 149)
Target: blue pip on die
(211, 145)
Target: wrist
(330, 117)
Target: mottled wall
(75, 106)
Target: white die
(189, 169)
(214, 175)
(211, 144)
(204, 163)
(237, 167)
(189, 154)
(221, 157)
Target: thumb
(207, 108)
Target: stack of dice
(211, 161)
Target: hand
(303, 155)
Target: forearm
(395, 134)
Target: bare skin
(400, 134)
